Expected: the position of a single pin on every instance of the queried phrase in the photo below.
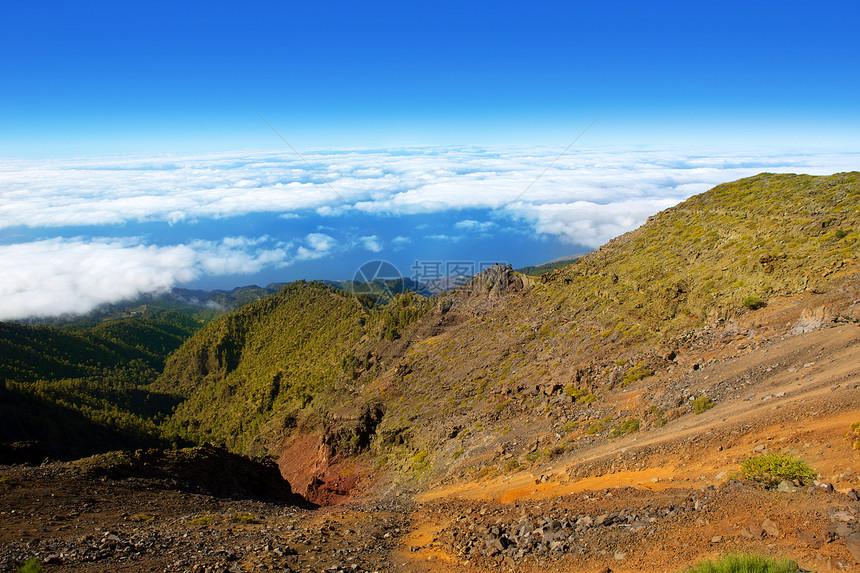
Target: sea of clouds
(60, 251)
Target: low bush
(770, 469)
(598, 426)
(701, 404)
(570, 426)
(752, 563)
(638, 372)
(628, 426)
(32, 565)
(753, 302)
(854, 436)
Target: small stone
(620, 555)
(810, 539)
(716, 538)
(786, 486)
(853, 545)
(770, 528)
(842, 516)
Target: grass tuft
(752, 563)
(32, 565)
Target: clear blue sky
(151, 76)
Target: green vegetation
(32, 565)
(292, 356)
(854, 436)
(638, 372)
(771, 469)
(771, 233)
(753, 302)
(655, 416)
(701, 404)
(570, 426)
(86, 390)
(598, 426)
(553, 452)
(752, 563)
(201, 520)
(628, 426)
(244, 517)
(420, 462)
(538, 270)
(579, 395)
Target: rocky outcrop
(205, 469)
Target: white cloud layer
(58, 276)
(582, 199)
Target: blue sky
(181, 76)
(133, 158)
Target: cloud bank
(586, 198)
(58, 276)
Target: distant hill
(538, 270)
(200, 305)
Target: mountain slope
(286, 359)
(84, 391)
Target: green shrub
(854, 436)
(244, 517)
(598, 426)
(554, 451)
(32, 565)
(753, 563)
(628, 426)
(753, 302)
(501, 406)
(201, 520)
(655, 414)
(570, 426)
(574, 392)
(770, 469)
(512, 465)
(419, 462)
(638, 372)
(701, 404)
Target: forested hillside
(86, 390)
